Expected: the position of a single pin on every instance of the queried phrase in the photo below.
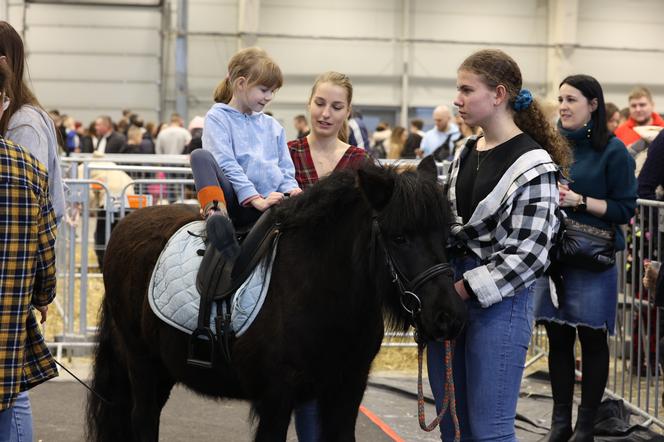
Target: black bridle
(407, 288)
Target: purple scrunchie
(523, 100)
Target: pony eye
(400, 239)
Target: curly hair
(496, 68)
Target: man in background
(301, 126)
(439, 141)
(108, 140)
(642, 126)
(358, 135)
(173, 139)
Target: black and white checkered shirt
(511, 230)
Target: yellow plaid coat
(27, 271)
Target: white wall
(92, 60)
(87, 60)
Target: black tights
(595, 358)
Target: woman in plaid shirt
(326, 148)
(27, 274)
(503, 194)
(320, 153)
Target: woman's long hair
(341, 80)
(11, 47)
(253, 64)
(592, 90)
(495, 67)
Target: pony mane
(323, 203)
(417, 204)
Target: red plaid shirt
(305, 171)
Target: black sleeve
(652, 174)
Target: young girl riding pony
(244, 150)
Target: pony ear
(428, 169)
(377, 186)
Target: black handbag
(586, 247)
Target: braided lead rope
(449, 401)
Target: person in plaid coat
(27, 271)
(503, 195)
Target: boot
(585, 425)
(561, 424)
(221, 235)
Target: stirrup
(201, 348)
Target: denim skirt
(590, 299)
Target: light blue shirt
(251, 150)
(434, 138)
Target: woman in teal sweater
(602, 193)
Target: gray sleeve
(30, 138)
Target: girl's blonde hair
(495, 67)
(253, 64)
(337, 79)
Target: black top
(475, 183)
(652, 173)
(412, 142)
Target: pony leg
(274, 417)
(151, 388)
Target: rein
(412, 304)
(102, 398)
(449, 401)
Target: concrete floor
(58, 413)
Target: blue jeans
(16, 422)
(489, 359)
(208, 173)
(307, 422)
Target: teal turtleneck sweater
(607, 175)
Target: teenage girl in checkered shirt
(503, 192)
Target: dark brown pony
(351, 246)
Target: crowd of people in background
(636, 125)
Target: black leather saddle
(218, 278)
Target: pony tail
(343, 132)
(107, 422)
(532, 121)
(223, 92)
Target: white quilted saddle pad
(173, 295)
